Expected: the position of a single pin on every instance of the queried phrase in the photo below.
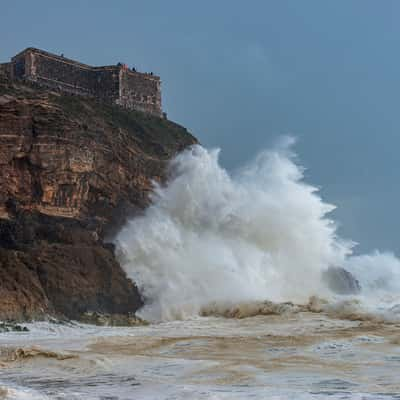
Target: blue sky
(239, 74)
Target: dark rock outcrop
(341, 281)
(71, 171)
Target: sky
(240, 74)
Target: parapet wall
(116, 84)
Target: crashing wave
(214, 238)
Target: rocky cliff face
(71, 170)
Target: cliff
(71, 170)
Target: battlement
(115, 84)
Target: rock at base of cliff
(48, 272)
(341, 281)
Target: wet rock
(341, 281)
(12, 327)
(96, 318)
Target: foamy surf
(211, 238)
(14, 393)
(305, 355)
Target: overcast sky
(240, 73)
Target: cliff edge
(71, 170)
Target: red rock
(71, 171)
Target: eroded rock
(71, 171)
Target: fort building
(115, 84)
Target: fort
(115, 84)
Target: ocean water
(296, 355)
(231, 267)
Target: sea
(232, 269)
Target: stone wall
(140, 91)
(5, 70)
(105, 84)
(116, 84)
(62, 75)
(67, 75)
(21, 65)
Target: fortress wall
(62, 75)
(67, 75)
(5, 69)
(19, 65)
(140, 92)
(114, 84)
(105, 84)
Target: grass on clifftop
(149, 130)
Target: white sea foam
(379, 277)
(376, 272)
(209, 237)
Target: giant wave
(259, 234)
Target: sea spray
(377, 272)
(379, 277)
(210, 237)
